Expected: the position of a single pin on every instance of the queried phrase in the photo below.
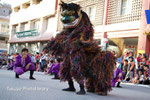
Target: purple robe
(56, 69)
(20, 67)
(11, 66)
(116, 76)
(50, 69)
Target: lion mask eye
(66, 12)
(70, 13)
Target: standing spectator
(33, 58)
(131, 68)
(37, 58)
(139, 59)
(10, 56)
(43, 61)
(38, 66)
(125, 68)
(15, 55)
(125, 55)
(131, 54)
(123, 58)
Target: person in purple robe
(23, 63)
(51, 66)
(56, 68)
(117, 77)
(10, 64)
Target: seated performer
(52, 64)
(56, 68)
(10, 64)
(117, 77)
(23, 64)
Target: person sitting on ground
(143, 62)
(1, 61)
(56, 68)
(146, 75)
(23, 63)
(139, 78)
(117, 77)
(51, 64)
(10, 64)
(38, 65)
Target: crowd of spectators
(134, 69)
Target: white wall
(45, 8)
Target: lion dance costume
(83, 59)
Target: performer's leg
(82, 90)
(31, 75)
(118, 85)
(55, 76)
(103, 87)
(16, 75)
(71, 86)
(90, 85)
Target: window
(91, 12)
(50, 24)
(126, 7)
(36, 25)
(24, 27)
(26, 5)
(3, 28)
(15, 29)
(16, 9)
(37, 1)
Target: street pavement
(45, 88)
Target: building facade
(32, 24)
(5, 10)
(122, 20)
